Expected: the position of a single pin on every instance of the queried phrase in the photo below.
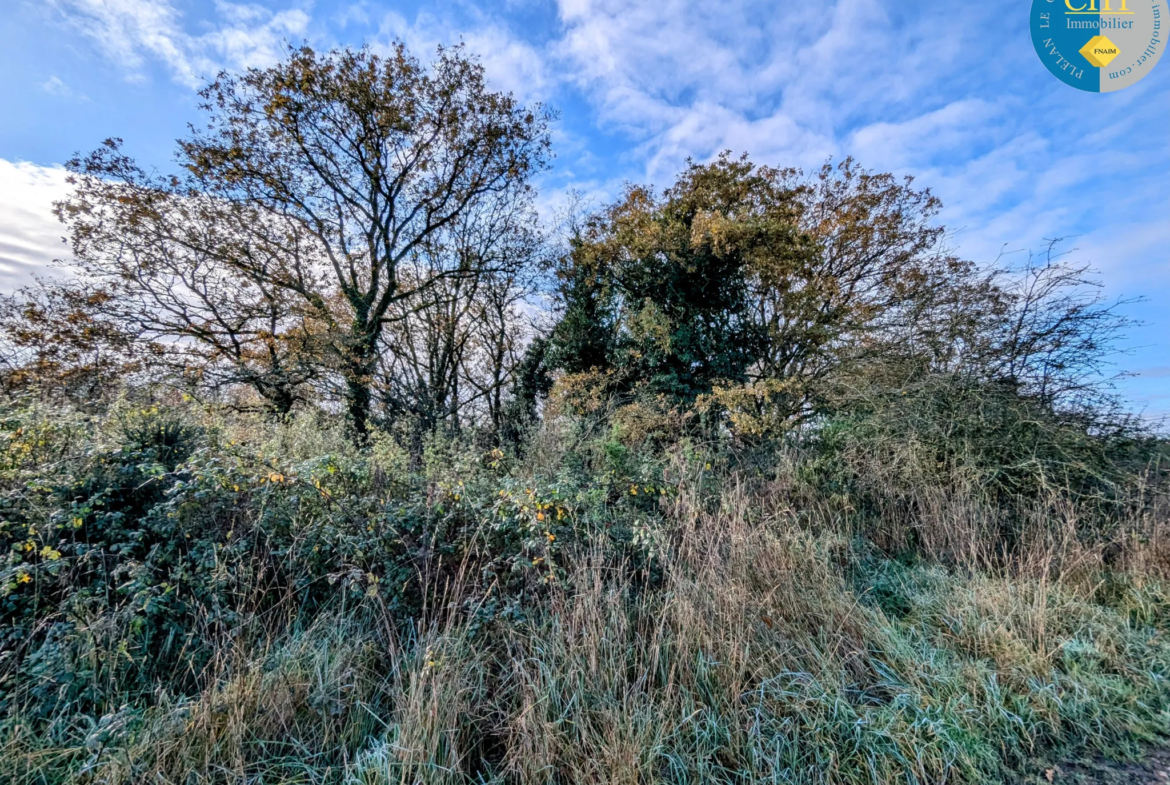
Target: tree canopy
(322, 199)
(358, 231)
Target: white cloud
(54, 86)
(956, 126)
(129, 32)
(511, 64)
(125, 30)
(252, 36)
(30, 236)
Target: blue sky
(950, 92)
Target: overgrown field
(332, 459)
(190, 597)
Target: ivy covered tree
(754, 292)
(658, 290)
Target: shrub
(895, 455)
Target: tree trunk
(357, 390)
(280, 400)
(359, 376)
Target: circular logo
(1099, 45)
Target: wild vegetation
(329, 464)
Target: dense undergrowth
(331, 462)
(192, 597)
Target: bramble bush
(151, 541)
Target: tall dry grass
(768, 643)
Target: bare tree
(1057, 333)
(450, 363)
(182, 272)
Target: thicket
(327, 465)
(189, 597)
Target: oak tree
(336, 173)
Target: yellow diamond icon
(1100, 51)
